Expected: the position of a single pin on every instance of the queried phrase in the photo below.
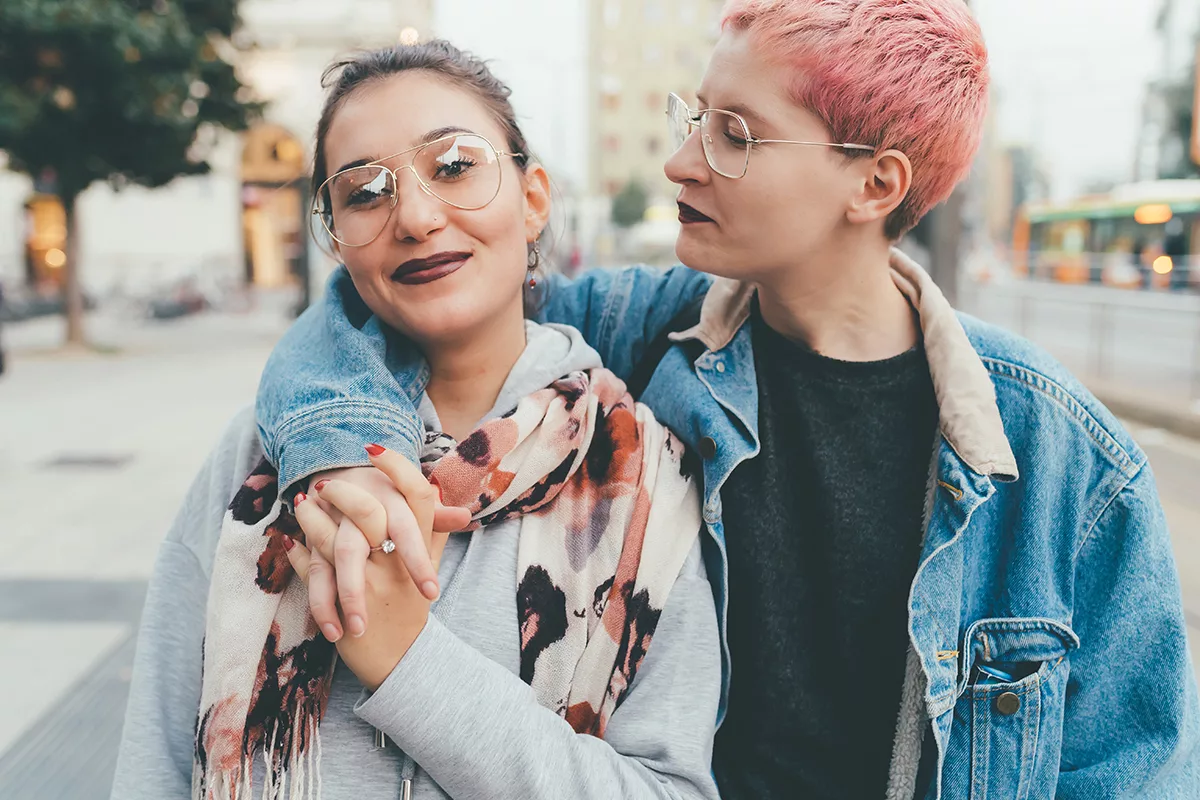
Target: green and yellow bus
(1141, 236)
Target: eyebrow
(436, 133)
(739, 109)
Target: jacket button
(1008, 704)
(708, 448)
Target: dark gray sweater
(824, 532)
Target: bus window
(1065, 259)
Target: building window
(653, 11)
(656, 101)
(612, 13)
(652, 145)
(612, 187)
(611, 101)
(652, 54)
(687, 12)
(612, 143)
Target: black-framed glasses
(460, 169)
(725, 137)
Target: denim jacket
(1045, 543)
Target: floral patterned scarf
(610, 511)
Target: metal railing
(1146, 341)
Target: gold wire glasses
(461, 169)
(725, 137)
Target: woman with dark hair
(531, 674)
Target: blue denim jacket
(1045, 541)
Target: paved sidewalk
(96, 452)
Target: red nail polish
(320, 484)
(376, 450)
(288, 542)
(300, 498)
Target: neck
(466, 375)
(842, 303)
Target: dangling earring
(535, 260)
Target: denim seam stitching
(1087, 536)
(303, 420)
(609, 312)
(1055, 391)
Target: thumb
(448, 519)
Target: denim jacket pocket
(1009, 721)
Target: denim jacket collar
(969, 417)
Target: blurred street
(96, 452)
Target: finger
(402, 528)
(298, 556)
(359, 505)
(437, 545)
(320, 530)
(322, 596)
(449, 519)
(407, 478)
(350, 553)
(315, 481)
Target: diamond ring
(388, 546)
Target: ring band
(388, 546)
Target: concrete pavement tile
(42, 662)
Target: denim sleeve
(619, 312)
(1132, 720)
(334, 383)
(337, 380)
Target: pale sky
(1070, 77)
(1069, 74)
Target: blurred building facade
(639, 50)
(1164, 134)
(246, 221)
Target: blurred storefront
(273, 204)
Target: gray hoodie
(459, 721)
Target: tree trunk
(72, 290)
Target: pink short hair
(904, 74)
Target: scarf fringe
(296, 777)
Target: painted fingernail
(430, 590)
(300, 498)
(356, 625)
(331, 632)
(376, 450)
(288, 542)
(320, 484)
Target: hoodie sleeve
(155, 757)
(494, 740)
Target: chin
(707, 258)
(443, 322)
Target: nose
(416, 216)
(687, 164)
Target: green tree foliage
(116, 91)
(629, 206)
